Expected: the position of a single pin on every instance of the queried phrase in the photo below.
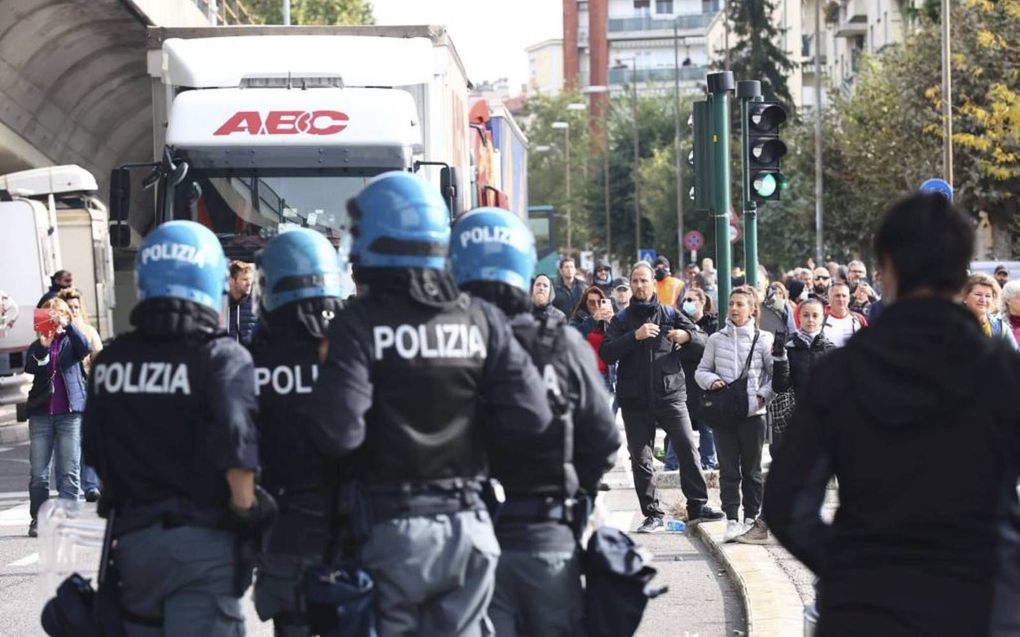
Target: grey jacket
(724, 359)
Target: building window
(642, 4)
(664, 6)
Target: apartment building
(545, 67)
(631, 42)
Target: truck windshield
(257, 203)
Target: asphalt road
(701, 600)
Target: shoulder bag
(727, 406)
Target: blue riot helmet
(492, 244)
(399, 221)
(296, 265)
(182, 260)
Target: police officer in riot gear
(169, 426)
(538, 581)
(416, 374)
(300, 281)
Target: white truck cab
(257, 133)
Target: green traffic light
(765, 185)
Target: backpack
(617, 583)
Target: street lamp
(676, 121)
(565, 126)
(620, 64)
(592, 90)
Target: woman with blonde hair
(80, 318)
(55, 405)
(981, 297)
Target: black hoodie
(912, 419)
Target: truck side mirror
(448, 185)
(120, 194)
(120, 234)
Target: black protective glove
(259, 516)
(779, 344)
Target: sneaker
(705, 514)
(758, 533)
(603, 486)
(733, 529)
(652, 524)
(92, 495)
(33, 530)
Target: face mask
(776, 303)
(660, 275)
(803, 295)
(689, 308)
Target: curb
(771, 603)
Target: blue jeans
(89, 479)
(53, 436)
(706, 449)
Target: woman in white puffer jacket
(739, 448)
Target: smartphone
(44, 322)
(606, 303)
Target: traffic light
(764, 150)
(700, 157)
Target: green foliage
(309, 12)
(756, 56)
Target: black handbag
(726, 407)
(40, 394)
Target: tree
(756, 55)
(323, 12)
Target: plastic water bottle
(675, 526)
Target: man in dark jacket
(569, 287)
(61, 280)
(890, 415)
(603, 277)
(241, 317)
(650, 341)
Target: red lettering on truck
(284, 123)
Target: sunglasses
(823, 278)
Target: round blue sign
(940, 186)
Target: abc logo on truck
(284, 123)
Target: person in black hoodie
(920, 544)
(651, 341)
(542, 295)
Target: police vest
(286, 367)
(426, 367)
(153, 412)
(549, 470)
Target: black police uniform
(170, 410)
(286, 354)
(651, 390)
(538, 585)
(413, 371)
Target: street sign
(647, 254)
(694, 241)
(940, 186)
(734, 233)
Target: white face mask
(689, 308)
(803, 294)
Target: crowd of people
(344, 447)
(780, 328)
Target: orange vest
(668, 290)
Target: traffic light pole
(719, 87)
(748, 90)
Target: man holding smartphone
(650, 341)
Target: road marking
(28, 560)
(3, 449)
(10, 495)
(15, 516)
(621, 520)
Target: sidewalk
(774, 586)
(702, 599)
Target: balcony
(691, 22)
(644, 76)
(853, 19)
